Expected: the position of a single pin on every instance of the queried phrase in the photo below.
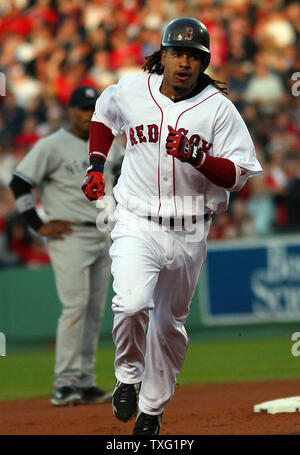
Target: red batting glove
(178, 145)
(93, 185)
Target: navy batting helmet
(188, 32)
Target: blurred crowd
(49, 47)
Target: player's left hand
(93, 185)
(178, 145)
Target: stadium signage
(251, 281)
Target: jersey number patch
(189, 31)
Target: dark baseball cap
(83, 96)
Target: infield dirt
(208, 409)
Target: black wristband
(96, 164)
(21, 188)
(32, 219)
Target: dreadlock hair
(153, 65)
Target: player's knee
(134, 303)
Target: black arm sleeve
(20, 188)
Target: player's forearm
(25, 202)
(101, 139)
(222, 172)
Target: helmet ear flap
(206, 60)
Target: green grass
(30, 374)
(239, 360)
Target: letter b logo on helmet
(188, 32)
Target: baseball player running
(78, 251)
(187, 148)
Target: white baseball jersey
(152, 182)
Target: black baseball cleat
(65, 396)
(125, 400)
(90, 395)
(147, 424)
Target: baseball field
(221, 381)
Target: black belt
(179, 221)
(87, 223)
(84, 223)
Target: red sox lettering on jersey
(150, 133)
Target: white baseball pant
(155, 275)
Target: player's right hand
(93, 185)
(178, 145)
(56, 229)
